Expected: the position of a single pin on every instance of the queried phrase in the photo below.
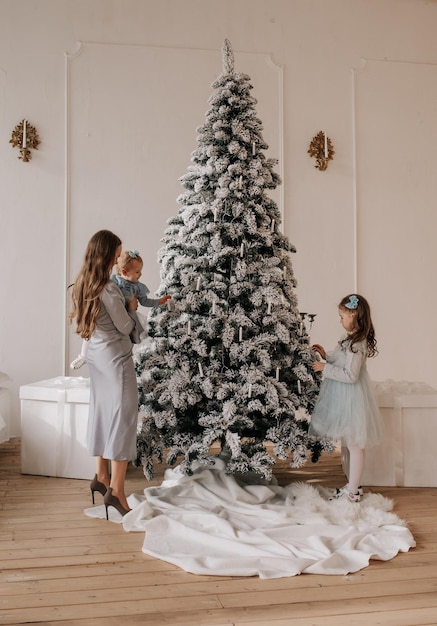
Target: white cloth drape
(215, 524)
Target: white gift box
(54, 416)
(407, 455)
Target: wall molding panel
(395, 134)
(131, 119)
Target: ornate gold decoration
(26, 138)
(321, 147)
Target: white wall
(320, 44)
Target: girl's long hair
(89, 283)
(363, 330)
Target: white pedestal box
(54, 417)
(407, 456)
(5, 414)
(5, 408)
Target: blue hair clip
(353, 302)
(134, 254)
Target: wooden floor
(61, 568)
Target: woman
(104, 321)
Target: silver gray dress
(113, 415)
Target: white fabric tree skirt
(215, 524)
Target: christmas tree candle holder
(25, 137)
(322, 149)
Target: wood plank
(177, 594)
(207, 613)
(416, 617)
(183, 583)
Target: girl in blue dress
(346, 408)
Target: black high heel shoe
(110, 500)
(96, 485)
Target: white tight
(356, 466)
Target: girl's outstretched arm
(350, 372)
(320, 349)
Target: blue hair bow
(353, 302)
(134, 254)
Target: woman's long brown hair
(89, 283)
(363, 330)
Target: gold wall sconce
(321, 147)
(25, 137)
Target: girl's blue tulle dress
(346, 407)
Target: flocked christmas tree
(229, 362)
